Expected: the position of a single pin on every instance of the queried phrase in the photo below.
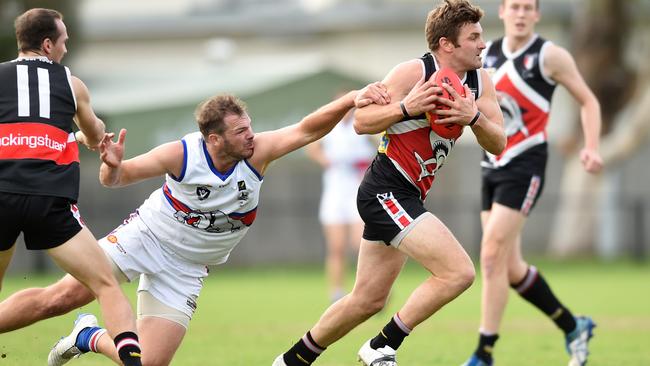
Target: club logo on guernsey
(441, 149)
(512, 115)
(243, 193)
(529, 63)
(529, 60)
(215, 221)
(202, 193)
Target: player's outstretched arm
(405, 84)
(560, 66)
(272, 145)
(114, 172)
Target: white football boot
(65, 349)
(384, 356)
(279, 361)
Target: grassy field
(246, 317)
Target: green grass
(248, 316)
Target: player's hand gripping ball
(447, 130)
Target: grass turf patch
(248, 316)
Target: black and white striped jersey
(38, 152)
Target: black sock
(304, 352)
(392, 335)
(128, 348)
(485, 347)
(535, 290)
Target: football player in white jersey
(212, 181)
(526, 70)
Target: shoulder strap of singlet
(473, 80)
(429, 65)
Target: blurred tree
(601, 33)
(602, 30)
(10, 9)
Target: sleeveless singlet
(524, 93)
(204, 213)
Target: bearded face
(238, 137)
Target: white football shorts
(338, 202)
(170, 279)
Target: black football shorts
(45, 221)
(389, 205)
(518, 184)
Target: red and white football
(448, 130)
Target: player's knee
(103, 284)
(373, 307)
(464, 277)
(493, 259)
(107, 280)
(494, 241)
(369, 305)
(489, 265)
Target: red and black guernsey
(38, 152)
(412, 147)
(524, 93)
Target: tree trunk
(601, 31)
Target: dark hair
(34, 26)
(210, 113)
(447, 19)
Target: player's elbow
(592, 106)
(494, 149)
(500, 144)
(361, 127)
(496, 144)
(361, 122)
